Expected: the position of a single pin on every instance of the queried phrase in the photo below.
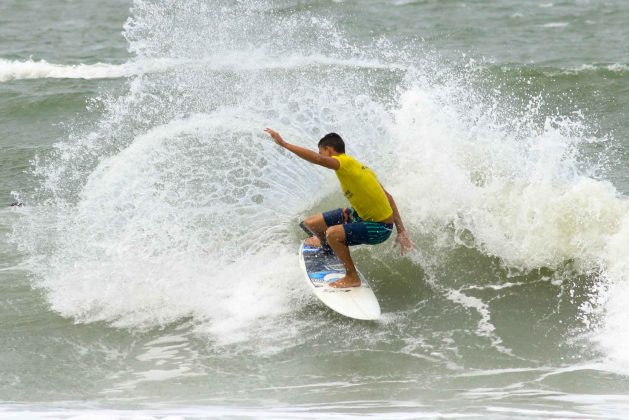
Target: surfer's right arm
(306, 154)
(402, 239)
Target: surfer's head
(331, 140)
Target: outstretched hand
(404, 242)
(276, 136)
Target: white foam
(523, 200)
(485, 328)
(236, 60)
(513, 192)
(395, 410)
(19, 70)
(554, 25)
(152, 258)
(617, 67)
(586, 68)
(616, 312)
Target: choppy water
(153, 272)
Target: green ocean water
(152, 269)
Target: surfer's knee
(314, 222)
(307, 223)
(335, 234)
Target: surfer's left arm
(402, 238)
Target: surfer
(369, 221)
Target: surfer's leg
(335, 236)
(316, 225)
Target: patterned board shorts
(357, 231)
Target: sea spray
(178, 204)
(514, 189)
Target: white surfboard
(322, 269)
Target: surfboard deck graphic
(321, 269)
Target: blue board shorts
(357, 231)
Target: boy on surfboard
(373, 213)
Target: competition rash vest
(362, 189)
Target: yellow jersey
(361, 187)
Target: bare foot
(351, 280)
(313, 241)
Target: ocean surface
(152, 269)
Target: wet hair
(333, 140)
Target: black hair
(333, 140)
